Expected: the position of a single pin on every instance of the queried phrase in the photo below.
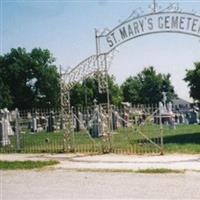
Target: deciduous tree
(147, 87)
(28, 79)
(193, 79)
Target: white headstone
(169, 107)
(4, 139)
(7, 118)
(161, 108)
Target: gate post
(103, 86)
(68, 136)
(108, 104)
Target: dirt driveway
(62, 184)
(113, 161)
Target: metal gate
(129, 130)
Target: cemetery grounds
(144, 138)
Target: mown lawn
(183, 139)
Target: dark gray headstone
(51, 122)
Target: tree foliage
(193, 79)
(147, 87)
(28, 79)
(84, 93)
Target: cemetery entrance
(101, 128)
(92, 131)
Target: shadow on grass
(187, 138)
(191, 138)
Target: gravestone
(4, 129)
(81, 120)
(119, 120)
(94, 127)
(103, 123)
(7, 122)
(39, 122)
(181, 118)
(86, 117)
(51, 122)
(29, 117)
(34, 122)
(125, 118)
(43, 122)
(193, 117)
(77, 120)
(161, 108)
(114, 120)
(176, 117)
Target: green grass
(184, 139)
(105, 170)
(13, 165)
(159, 171)
(146, 171)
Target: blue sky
(66, 28)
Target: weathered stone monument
(34, 122)
(193, 117)
(7, 122)
(4, 129)
(125, 118)
(51, 122)
(94, 127)
(166, 116)
(29, 117)
(114, 120)
(77, 120)
(103, 123)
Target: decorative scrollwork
(173, 7)
(103, 32)
(93, 65)
(86, 68)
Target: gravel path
(63, 184)
(113, 161)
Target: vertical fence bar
(17, 130)
(161, 131)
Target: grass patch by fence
(159, 171)
(146, 171)
(28, 164)
(98, 170)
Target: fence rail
(133, 130)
